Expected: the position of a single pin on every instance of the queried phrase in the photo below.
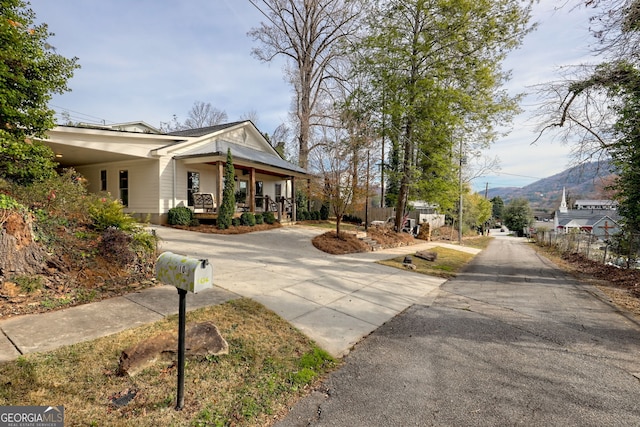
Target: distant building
(596, 204)
(597, 217)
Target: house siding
(143, 184)
(166, 200)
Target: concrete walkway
(336, 300)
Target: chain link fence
(622, 250)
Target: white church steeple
(563, 203)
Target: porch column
(252, 190)
(219, 185)
(294, 214)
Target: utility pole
(366, 205)
(462, 161)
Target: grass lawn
(447, 264)
(480, 242)
(269, 365)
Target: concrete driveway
(334, 299)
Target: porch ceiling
(67, 155)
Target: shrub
(116, 246)
(106, 213)
(7, 205)
(144, 243)
(352, 218)
(235, 222)
(180, 215)
(269, 217)
(324, 212)
(28, 284)
(315, 215)
(259, 218)
(228, 205)
(247, 218)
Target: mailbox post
(188, 275)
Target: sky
(151, 59)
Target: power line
(513, 174)
(86, 116)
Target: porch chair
(204, 201)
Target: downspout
(175, 188)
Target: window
(278, 191)
(124, 188)
(243, 190)
(193, 186)
(103, 180)
(259, 194)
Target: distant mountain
(586, 181)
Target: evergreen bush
(324, 212)
(247, 218)
(269, 217)
(180, 215)
(259, 219)
(228, 205)
(107, 213)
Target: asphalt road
(510, 341)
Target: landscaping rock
(429, 256)
(204, 339)
(201, 339)
(146, 353)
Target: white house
(152, 172)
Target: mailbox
(183, 272)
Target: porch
(205, 207)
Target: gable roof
(588, 214)
(203, 131)
(240, 152)
(585, 217)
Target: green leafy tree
(435, 68)
(518, 215)
(477, 210)
(30, 72)
(497, 207)
(228, 206)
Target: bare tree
(311, 34)
(340, 174)
(251, 115)
(203, 114)
(279, 139)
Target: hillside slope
(587, 181)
